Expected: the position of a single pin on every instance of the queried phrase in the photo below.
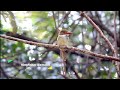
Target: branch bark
(99, 30)
(117, 64)
(3, 72)
(102, 26)
(13, 22)
(34, 40)
(51, 46)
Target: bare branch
(3, 72)
(51, 46)
(54, 19)
(64, 76)
(103, 27)
(63, 19)
(117, 64)
(99, 30)
(13, 22)
(115, 34)
(72, 68)
(61, 22)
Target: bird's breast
(62, 40)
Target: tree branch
(99, 30)
(102, 26)
(61, 22)
(72, 49)
(13, 22)
(64, 76)
(64, 18)
(54, 19)
(21, 37)
(117, 64)
(3, 72)
(72, 68)
(34, 40)
(115, 33)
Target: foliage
(40, 25)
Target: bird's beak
(67, 32)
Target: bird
(63, 40)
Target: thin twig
(74, 27)
(73, 69)
(54, 19)
(51, 36)
(99, 30)
(58, 17)
(51, 46)
(64, 18)
(108, 31)
(55, 28)
(64, 76)
(13, 22)
(61, 22)
(115, 34)
(98, 16)
(3, 72)
(2, 13)
(117, 64)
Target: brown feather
(63, 57)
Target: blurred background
(41, 26)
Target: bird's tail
(63, 57)
(63, 54)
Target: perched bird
(63, 40)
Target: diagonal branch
(59, 25)
(21, 36)
(102, 26)
(99, 30)
(72, 68)
(115, 33)
(117, 64)
(72, 49)
(64, 18)
(3, 72)
(13, 22)
(54, 19)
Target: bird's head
(64, 32)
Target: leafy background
(40, 26)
